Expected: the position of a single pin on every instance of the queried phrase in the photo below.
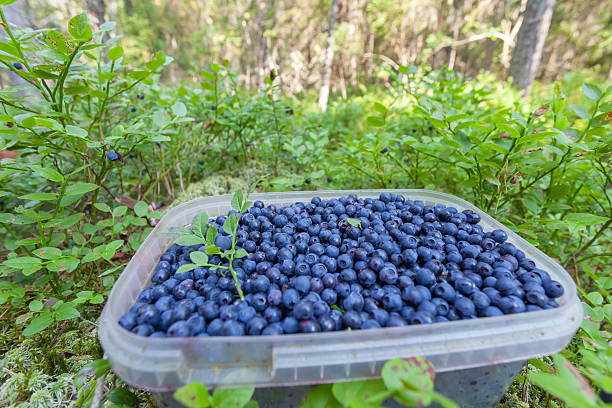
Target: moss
(44, 376)
(223, 182)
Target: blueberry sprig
(202, 232)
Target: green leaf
(354, 222)
(120, 211)
(380, 108)
(584, 219)
(38, 324)
(408, 377)
(591, 91)
(186, 268)
(160, 119)
(208, 75)
(375, 121)
(100, 367)
(22, 262)
(80, 189)
(65, 264)
(188, 239)
(199, 258)
(211, 235)
(240, 253)
(212, 249)
(194, 395)
(40, 197)
(76, 131)
(406, 70)
(179, 109)
(48, 173)
(79, 28)
(48, 252)
(199, 223)
(229, 224)
(141, 208)
(115, 53)
(581, 112)
(35, 305)
(320, 397)
(102, 207)
(231, 398)
(237, 200)
(123, 396)
(357, 393)
(568, 384)
(108, 26)
(595, 298)
(66, 311)
(508, 129)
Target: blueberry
(396, 321)
(232, 328)
(197, 324)
(425, 277)
(113, 156)
(421, 318)
(273, 314)
(128, 320)
(536, 297)
(388, 275)
(465, 286)
(143, 330)
(303, 310)
(511, 304)
(290, 298)
(392, 302)
(480, 299)
(17, 66)
(491, 311)
(255, 326)
(465, 306)
(289, 325)
(506, 285)
(413, 296)
(179, 329)
(553, 288)
(302, 283)
(354, 301)
(275, 297)
(352, 319)
(385, 150)
(148, 314)
(309, 326)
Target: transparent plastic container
(478, 346)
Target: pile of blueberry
(338, 264)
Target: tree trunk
(263, 44)
(329, 56)
(96, 10)
(456, 26)
(528, 50)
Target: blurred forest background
(299, 38)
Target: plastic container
(476, 351)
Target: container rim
(561, 321)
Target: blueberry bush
(95, 148)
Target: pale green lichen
(225, 182)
